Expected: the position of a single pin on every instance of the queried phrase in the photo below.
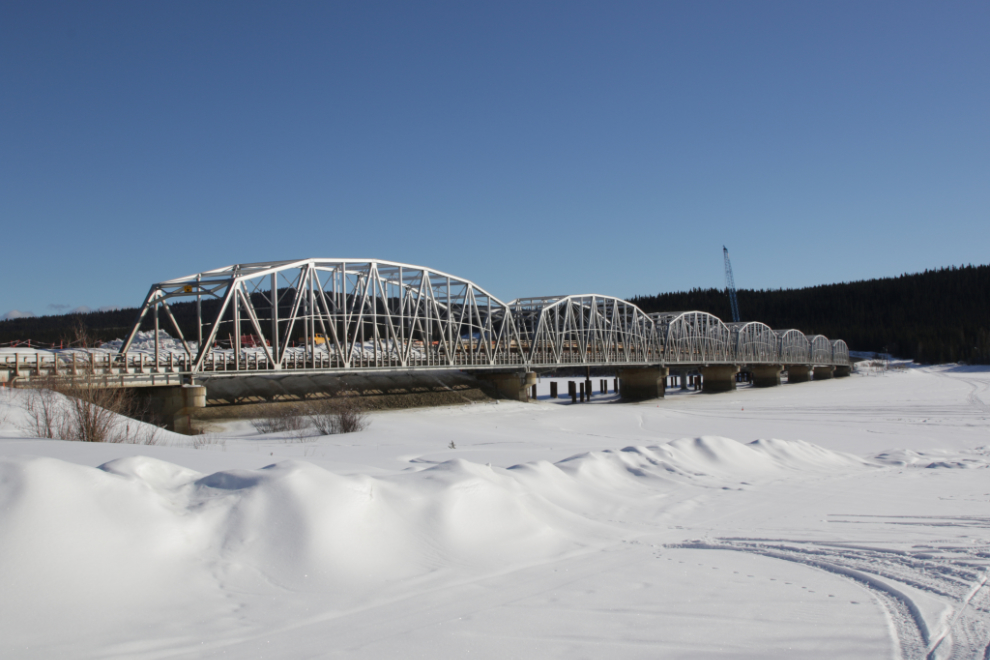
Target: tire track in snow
(977, 387)
(956, 575)
(968, 638)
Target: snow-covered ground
(837, 519)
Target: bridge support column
(719, 378)
(513, 386)
(643, 383)
(842, 371)
(766, 375)
(175, 405)
(798, 373)
(823, 373)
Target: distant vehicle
(253, 341)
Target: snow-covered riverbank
(843, 518)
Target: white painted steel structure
(794, 347)
(754, 342)
(693, 338)
(821, 350)
(344, 314)
(840, 352)
(584, 329)
(330, 315)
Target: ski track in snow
(951, 572)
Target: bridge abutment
(642, 384)
(842, 371)
(719, 378)
(798, 373)
(766, 375)
(823, 373)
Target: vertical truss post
(199, 312)
(276, 356)
(156, 335)
(236, 343)
(403, 353)
(450, 327)
(311, 320)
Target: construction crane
(730, 286)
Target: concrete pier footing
(798, 373)
(176, 404)
(842, 371)
(823, 373)
(514, 386)
(641, 384)
(766, 375)
(719, 378)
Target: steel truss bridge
(367, 315)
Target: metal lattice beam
(367, 314)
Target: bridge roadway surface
(325, 316)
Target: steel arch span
(821, 350)
(754, 343)
(693, 338)
(584, 329)
(344, 314)
(840, 353)
(794, 347)
(369, 314)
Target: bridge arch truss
(693, 337)
(754, 342)
(582, 329)
(343, 314)
(366, 314)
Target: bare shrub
(94, 412)
(82, 410)
(279, 419)
(208, 440)
(6, 400)
(334, 415)
(46, 414)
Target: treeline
(936, 316)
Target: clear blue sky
(535, 148)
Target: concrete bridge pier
(798, 373)
(644, 383)
(766, 375)
(514, 386)
(823, 373)
(719, 378)
(842, 371)
(176, 405)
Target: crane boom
(730, 286)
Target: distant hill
(937, 316)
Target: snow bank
(126, 529)
(709, 456)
